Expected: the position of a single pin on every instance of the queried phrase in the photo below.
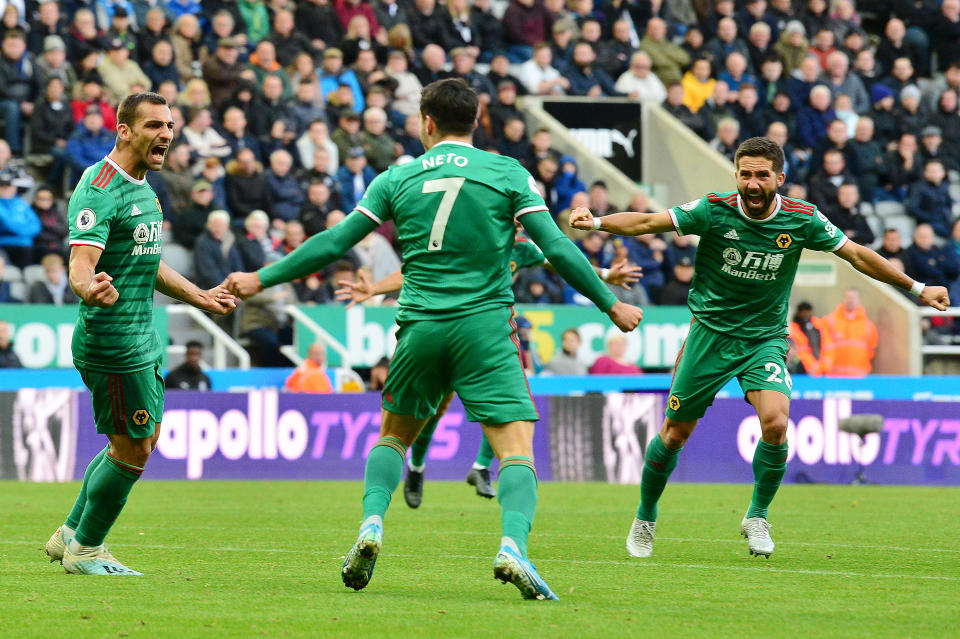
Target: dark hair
(194, 344)
(761, 147)
(127, 111)
(452, 104)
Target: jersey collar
(776, 210)
(457, 142)
(126, 176)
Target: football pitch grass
(262, 559)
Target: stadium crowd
(285, 112)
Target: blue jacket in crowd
(937, 266)
(286, 195)
(18, 223)
(931, 203)
(86, 148)
(348, 197)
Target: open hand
(935, 296)
(357, 292)
(220, 301)
(625, 316)
(101, 292)
(243, 285)
(581, 218)
(623, 273)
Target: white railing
(222, 342)
(939, 349)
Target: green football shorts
(708, 360)
(477, 355)
(126, 403)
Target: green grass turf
(242, 559)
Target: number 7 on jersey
(450, 187)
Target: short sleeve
(375, 203)
(524, 193)
(824, 235)
(90, 215)
(692, 218)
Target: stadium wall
(49, 435)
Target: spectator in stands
(717, 107)
(929, 200)
(639, 83)
(380, 149)
(347, 134)
(949, 81)
(728, 137)
(792, 46)
(839, 80)
(865, 68)
(945, 33)
(870, 158)
(505, 107)
(807, 335)
(848, 215)
(246, 186)
(895, 45)
(215, 252)
(771, 82)
(189, 51)
(268, 109)
(698, 122)
(263, 62)
(333, 74)
(189, 375)
(561, 42)
(235, 132)
(192, 218)
(406, 96)
(676, 291)
(195, 95)
(354, 177)
(256, 245)
(802, 81)
(161, 68)
(283, 188)
(55, 287)
(222, 71)
(747, 112)
(53, 63)
(513, 142)
(900, 77)
(837, 139)
(538, 74)
(83, 35)
(19, 224)
(814, 118)
(306, 106)
(213, 172)
(931, 264)
(614, 361)
(8, 358)
(120, 74)
(6, 288)
(735, 73)
(824, 41)
(204, 140)
(525, 23)
(911, 118)
(931, 148)
(311, 376)
(314, 212)
(51, 125)
(892, 248)
(904, 167)
(151, 28)
(565, 360)
(49, 22)
(825, 183)
(759, 44)
(585, 78)
(256, 19)
(679, 246)
(18, 88)
(851, 339)
(698, 85)
(884, 119)
(177, 176)
(52, 237)
(318, 21)
(316, 139)
(726, 44)
(668, 58)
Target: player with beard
(750, 245)
(115, 266)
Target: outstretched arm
(217, 300)
(872, 265)
(629, 223)
(311, 256)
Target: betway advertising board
(370, 332)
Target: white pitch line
(610, 562)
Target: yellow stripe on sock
(519, 461)
(394, 443)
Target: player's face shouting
(152, 134)
(757, 184)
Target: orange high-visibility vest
(852, 343)
(811, 365)
(309, 377)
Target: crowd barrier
(48, 434)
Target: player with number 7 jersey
(454, 208)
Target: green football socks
(517, 494)
(418, 452)
(658, 463)
(107, 489)
(769, 466)
(382, 475)
(485, 454)
(73, 519)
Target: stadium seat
(889, 209)
(33, 273)
(18, 290)
(178, 258)
(903, 223)
(12, 274)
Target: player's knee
(675, 434)
(773, 425)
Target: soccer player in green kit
(454, 208)
(115, 237)
(750, 245)
(524, 254)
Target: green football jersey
(525, 254)
(745, 268)
(120, 215)
(454, 208)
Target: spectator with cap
(931, 264)
(333, 74)
(192, 219)
(54, 288)
(245, 185)
(929, 200)
(19, 224)
(912, 116)
(119, 72)
(347, 134)
(792, 46)
(90, 142)
(884, 118)
(931, 148)
(18, 88)
(120, 29)
(222, 71)
(54, 64)
(354, 177)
